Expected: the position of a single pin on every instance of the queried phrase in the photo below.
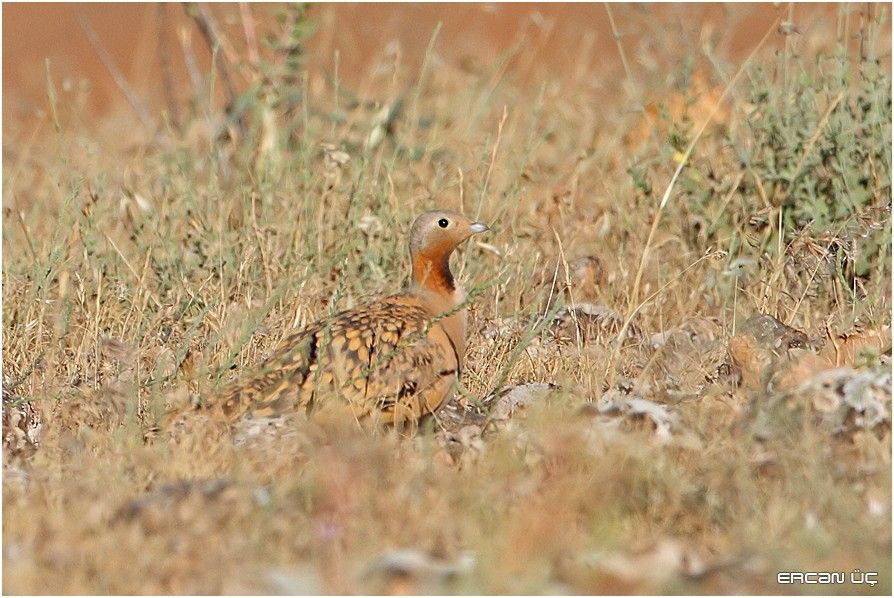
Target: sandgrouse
(389, 361)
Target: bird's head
(433, 237)
(438, 233)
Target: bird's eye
(443, 222)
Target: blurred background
(88, 46)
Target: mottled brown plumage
(390, 361)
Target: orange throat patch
(433, 273)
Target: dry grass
(140, 278)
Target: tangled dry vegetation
(723, 415)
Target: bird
(390, 361)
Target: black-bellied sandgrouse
(390, 361)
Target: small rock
(22, 425)
(417, 563)
(519, 397)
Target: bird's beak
(478, 227)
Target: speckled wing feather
(388, 361)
